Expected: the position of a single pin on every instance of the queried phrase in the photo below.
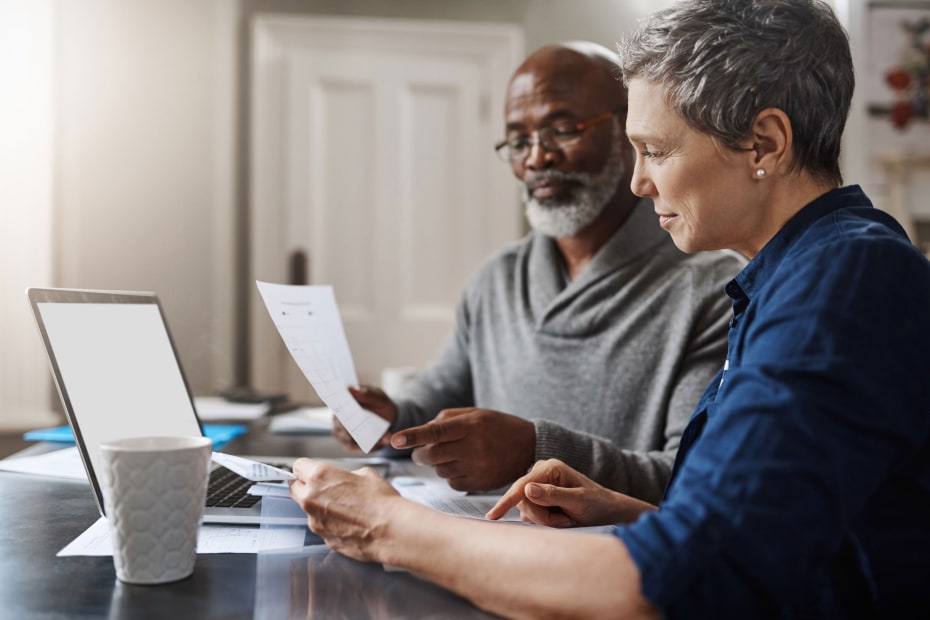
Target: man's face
(566, 189)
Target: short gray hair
(721, 62)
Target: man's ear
(771, 142)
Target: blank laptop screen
(119, 370)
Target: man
(594, 333)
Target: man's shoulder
(715, 265)
(721, 261)
(499, 263)
(504, 257)
(655, 250)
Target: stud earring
(760, 173)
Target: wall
(145, 147)
(26, 180)
(601, 21)
(545, 21)
(868, 139)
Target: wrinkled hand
(554, 494)
(474, 449)
(375, 400)
(348, 510)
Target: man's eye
(564, 132)
(518, 143)
(650, 154)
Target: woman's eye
(651, 154)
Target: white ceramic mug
(154, 491)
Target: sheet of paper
(303, 421)
(63, 463)
(270, 489)
(437, 494)
(251, 470)
(95, 540)
(308, 321)
(421, 484)
(218, 408)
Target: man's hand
(554, 494)
(348, 510)
(474, 449)
(375, 400)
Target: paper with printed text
(308, 321)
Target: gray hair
(721, 62)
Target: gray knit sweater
(608, 367)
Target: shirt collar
(764, 264)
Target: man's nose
(540, 157)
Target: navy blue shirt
(802, 483)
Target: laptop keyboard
(227, 489)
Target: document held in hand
(308, 320)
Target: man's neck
(579, 250)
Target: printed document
(96, 540)
(308, 320)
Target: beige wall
(145, 200)
(26, 185)
(545, 21)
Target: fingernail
(398, 441)
(532, 490)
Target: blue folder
(221, 434)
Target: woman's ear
(771, 142)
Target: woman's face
(705, 194)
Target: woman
(802, 483)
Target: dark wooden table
(40, 515)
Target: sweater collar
(639, 234)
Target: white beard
(567, 217)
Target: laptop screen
(115, 366)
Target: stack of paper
(303, 421)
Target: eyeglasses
(552, 138)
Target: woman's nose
(640, 184)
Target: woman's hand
(554, 494)
(349, 510)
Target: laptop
(118, 375)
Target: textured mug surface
(154, 490)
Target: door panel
(373, 155)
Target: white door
(372, 171)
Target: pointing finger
(510, 498)
(429, 433)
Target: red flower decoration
(901, 112)
(898, 78)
